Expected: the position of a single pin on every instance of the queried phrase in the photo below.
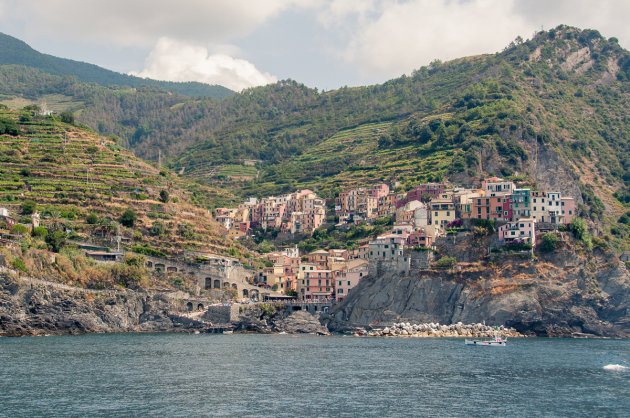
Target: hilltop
(16, 52)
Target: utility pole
(118, 238)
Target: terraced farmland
(352, 157)
(71, 172)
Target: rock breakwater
(435, 330)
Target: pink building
(568, 209)
(350, 277)
(523, 230)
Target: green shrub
(445, 262)
(164, 196)
(19, 264)
(28, 207)
(158, 228)
(19, 229)
(128, 217)
(146, 250)
(549, 242)
(91, 219)
(39, 232)
(55, 240)
(579, 229)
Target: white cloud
(177, 61)
(141, 22)
(391, 37)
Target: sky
(325, 44)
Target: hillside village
(421, 216)
(418, 220)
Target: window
(348, 282)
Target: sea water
(286, 375)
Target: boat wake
(615, 367)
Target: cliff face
(38, 308)
(557, 295)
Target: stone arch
(160, 266)
(226, 285)
(200, 307)
(189, 306)
(234, 286)
(171, 269)
(254, 294)
(208, 283)
(297, 308)
(149, 264)
(245, 293)
(217, 284)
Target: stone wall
(221, 314)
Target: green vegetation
(19, 264)
(128, 218)
(549, 242)
(18, 52)
(445, 262)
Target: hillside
(15, 52)
(83, 183)
(550, 112)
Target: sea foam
(615, 367)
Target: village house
(442, 212)
(497, 186)
(521, 230)
(314, 282)
(521, 204)
(434, 190)
(350, 276)
(421, 237)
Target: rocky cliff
(34, 307)
(566, 293)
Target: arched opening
(171, 269)
(217, 284)
(208, 284)
(226, 285)
(189, 306)
(200, 307)
(149, 264)
(245, 293)
(297, 308)
(234, 286)
(160, 267)
(253, 294)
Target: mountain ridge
(17, 52)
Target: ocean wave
(615, 367)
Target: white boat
(497, 341)
(228, 332)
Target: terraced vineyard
(71, 173)
(358, 149)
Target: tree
(28, 207)
(426, 198)
(39, 232)
(56, 238)
(445, 262)
(67, 117)
(91, 219)
(128, 217)
(549, 242)
(164, 195)
(578, 227)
